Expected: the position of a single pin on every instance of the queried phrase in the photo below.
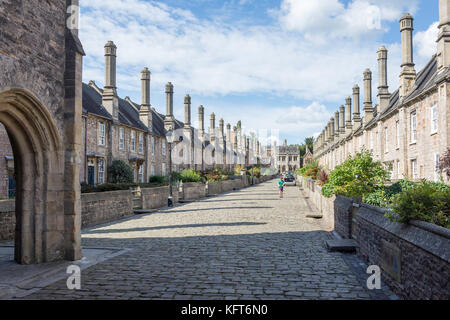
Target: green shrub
(356, 177)
(311, 170)
(120, 172)
(187, 176)
(157, 179)
(426, 201)
(255, 171)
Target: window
(141, 142)
(414, 169)
(133, 141)
(153, 145)
(163, 147)
(163, 169)
(121, 139)
(399, 174)
(397, 130)
(371, 140)
(101, 133)
(386, 139)
(434, 119)
(141, 174)
(413, 127)
(152, 170)
(436, 167)
(101, 171)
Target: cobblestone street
(246, 244)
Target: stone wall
(5, 150)
(414, 258)
(101, 207)
(7, 219)
(153, 198)
(193, 190)
(343, 209)
(314, 193)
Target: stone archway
(39, 164)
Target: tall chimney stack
(187, 111)
(383, 89)
(408, 73)
(443, 41)
(169, 119)
(212, 127)
(368, 108)
(337, 131)
(145, 113)
(228, 132)
(356, 114)
(342, 120)
(110, 100)
(348, 115)
(332, 129)
(221, 128)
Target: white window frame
(397, 128)
(121, 138)
(163, 147)
(153, 145)
(101, 170)
(101, 133)
(163, 169)
(434, 119)
(133, 141)
(414, 169)
(386, 140)
(413, 127)
(141, 174)
(152, 170)
(141, 142)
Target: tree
(120, 172)
(309, 142)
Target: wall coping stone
(429, 241)
(7, 205)
(105, 194)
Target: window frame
(414, 169)
(141, 143)
(121, 138)
(434, 121)
(101, 171)
(133, 141)
(101, 133)
(413, 124)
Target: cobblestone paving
(247, 244)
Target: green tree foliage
(120, 172)
(356, 177)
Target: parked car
(289, 179)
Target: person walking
(281, 184)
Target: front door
(91, 175)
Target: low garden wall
(193, 190)
(414, 258)
(7, 219)
(101, 207)
(214, 187)
(153, 198)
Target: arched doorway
(39, 169)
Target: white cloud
(327, 19)
(425, 41)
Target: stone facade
(40, 107)
(288, 157)
(6, 163)
(407, 130)
(7, 219)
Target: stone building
(307, 157)
(407, 129)
(288, 157)
(40, 110)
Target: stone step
(341, 245)
(144, 211)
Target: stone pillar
(337, 130)
(169, 119)
(212, 126)
(443, 41)
(187, 111)
(332, 129)
(342, 120)
(356, 114)
(145, 113)
(348, 115)
(383, 89)
(201, 120)
(368, 108)
(110, 100)
(408, 73)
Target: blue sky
(283, 66)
